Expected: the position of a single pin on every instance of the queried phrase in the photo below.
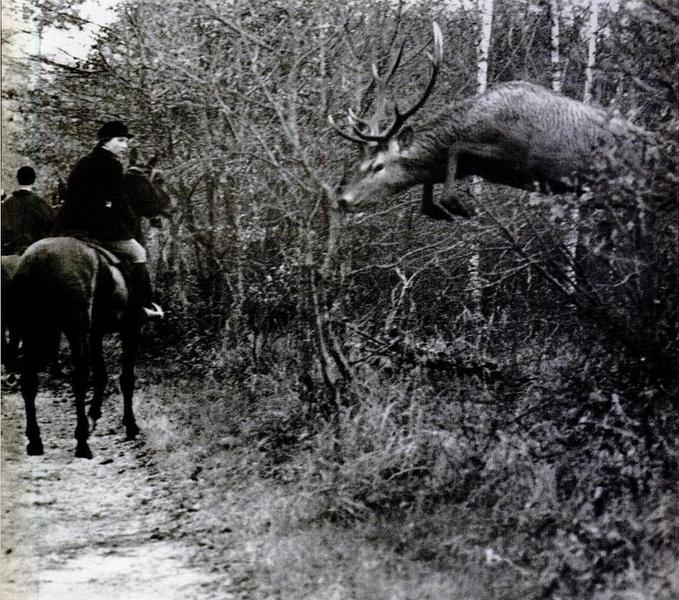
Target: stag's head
(388, 166)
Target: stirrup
(153, 312)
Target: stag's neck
(428, 154)
(433, 138)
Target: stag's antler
(358, 125)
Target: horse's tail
(54, 288)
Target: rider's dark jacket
(95, 205)
(26, 218)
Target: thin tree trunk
(592, 31)
(557, 74)
(573, 236)
(486, 8)
(474, 265)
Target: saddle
(138, 282)
(109, 258)
(107, 255)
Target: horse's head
(146, 189)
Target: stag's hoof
(438, 213)
(35, 448)
(454, 206)
(83, 451)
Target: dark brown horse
(146, 201)
(65, 285)
(10, 336)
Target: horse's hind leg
(10, 348)
(56, 371)
(80, 353)
(129, 342)
(99, 377)
(29, 389)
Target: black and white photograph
(339, 300)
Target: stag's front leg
(129, 343)
(430, 208)
(450, 199)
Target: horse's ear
(152, 162)
(134, 157)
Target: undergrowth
(563, 488)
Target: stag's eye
(377, 167)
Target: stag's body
(517, 134)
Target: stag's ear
(405, 137)
(134, 157)
(152, 162)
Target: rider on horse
(26, 217)
(97, 209)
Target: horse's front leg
(99, 377)
(129, 342)
(80, 352)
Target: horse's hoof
(10, 382)
(83, 451)
(131, 430)
(58, 373)
(35, 448)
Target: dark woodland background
(529, 407)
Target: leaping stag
(517, 134)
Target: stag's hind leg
(129, 342)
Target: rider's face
(117, 145)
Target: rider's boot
(142, 292)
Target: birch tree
(557, 74)
(485, 29)
(573, 235)
(592, 33)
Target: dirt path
(85, 529)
